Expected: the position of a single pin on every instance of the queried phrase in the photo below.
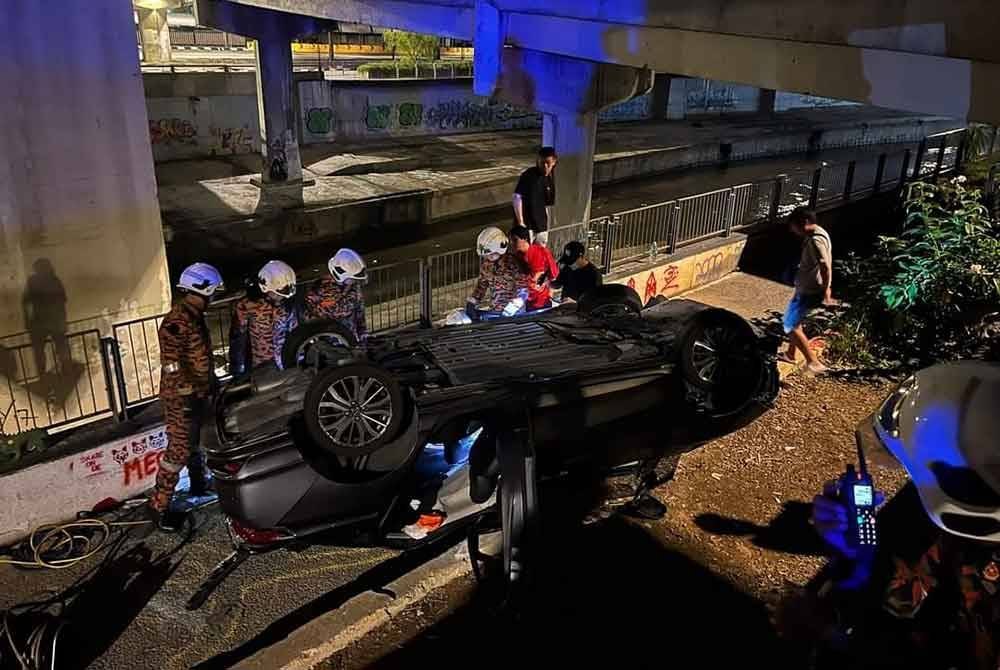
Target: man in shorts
(812, 284)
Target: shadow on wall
(44, 305)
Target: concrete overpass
(918, 55)
(570, 58)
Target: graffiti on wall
(319, 120)
(130, 461)
(636, 109)
(455, 114)
(712, 267)
(377, 117)
(171, 131)
(410, 114)
(279, 163)
(232, 140)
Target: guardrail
(114, 375)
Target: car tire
(716, 340)
(299, 340)
(610, 300)
(353, 410)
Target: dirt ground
(697, 584)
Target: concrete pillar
(280, 161)
(574, 136)
(765, 105)
(78, 204)
(661, 96)
(274, 32)
(155, 35)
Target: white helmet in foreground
(200, 278)
(943, 427)
(277, 277)
(491, 241)
(348, 264)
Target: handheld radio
(857, 493)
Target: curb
(331, 633)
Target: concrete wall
(352, 111)
(55, 491)
(77, 189)
(202, 114)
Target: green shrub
(930, 293)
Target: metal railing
(111, 376)
(57, 379)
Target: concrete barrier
(691, 268)
(55, 491)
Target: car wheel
(353, 410)
(717, 350)
(610, 300)
(301, 340)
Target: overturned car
(373, 437)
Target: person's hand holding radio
(830, 518)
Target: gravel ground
(735, 539)
(741, 505)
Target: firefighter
(186, 382)
(260, 325)
(502, 276)
(338, 296)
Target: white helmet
(200, 278)
(277, 277)
(943, 426)
(348, 264)
(491, 241)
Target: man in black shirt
(535, 192)
(577, 275)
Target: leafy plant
(411, 47)
(931, 292)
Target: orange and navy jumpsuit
(257, 333)
(329, 299)
(499, 282)
(186, 382)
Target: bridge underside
(916, 55)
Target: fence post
(675, 226)
(849, 180)
(115, 354)
(610, 233)
(906, 168)
(730, 212)
(814, 193)
(426, 296)
(940, 160)
(960, 152)
(434, 69)
(879, 174)
(921, 150)
(109, 383)
(779, 184)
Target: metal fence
(52, 385)
(53, 380)
(392, 295)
